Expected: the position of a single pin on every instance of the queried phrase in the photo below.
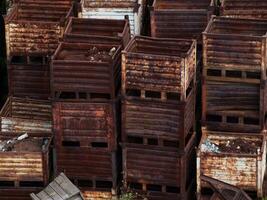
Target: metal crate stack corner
(116, 9)
(234, 103)
(33, 29)
(26, 167)
(158, 117)
(85, 85)
(180, 19)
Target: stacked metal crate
(26, 167)
(115, 9)
(234, 102)
(85, 83)
(33, 29)
(180, 19)
(158, 117)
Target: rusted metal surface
(162, 69)
(115, 9)
(18, 193)
(96, 195)
(30, 78)
(158, 123)
(224, 191)
(106, 31)
(180, 19)
(94, 168)
(241, 169)
(244, 9)
(87, 124)
(159, 172)
(26, 115)
(27, 164)
(86, 71)
(35, 27)
(235, 50)
(233, 106)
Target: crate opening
(169, 143)
(136, 186)
(99, 144)
(233, 74)
(206, 191)
(152, 141)
(31, 184)
(36, 60)
(172, 189)
(70, 143)
(7, 183)
(173, 96)
(100, 96)
(253, 75)
(85, 183)
(153, 94)
(66, 95)
(213, 72)
(154, 187)
(251, 121)
(132, 92)
(135, 139)
(214, 118)
(82, 95)
(103, 184)
(18, 60)
(232, 120)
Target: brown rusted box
(235, 50)
(244, 9)
(240, 159)
(29, 78)
(233, 106)
(180, 19)
(89, 194)
(86, 124)
(163, 69)
(106, 31)
(86, 71)
(158, 123)
(34, 27)
(160, 172)
(27, 115)
(27, 164)
(20, 193)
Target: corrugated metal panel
(244, 9)
(17, 193)
(95, 195)
(115, 10)
(116, 32)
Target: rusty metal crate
(244, 9)
(27, 164)
(180, 19)
(106, 31)
(239, 159)
(159, 171)
(29, 78)
(26, 115)
(34, 27)
(235, 50)
(89, 194)
(162, 69)
(158, 123)
(21, 193)
(234, 106)
(85, 71)
(115, 9)
(87, 125)
(95, 168)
